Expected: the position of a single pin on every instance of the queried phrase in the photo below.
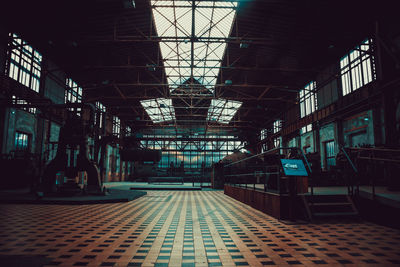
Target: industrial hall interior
(199, 133)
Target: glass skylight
(159, 109)
(193, 51)
(222, 110)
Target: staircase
(329, 206)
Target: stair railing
(373, 157)
(350, 186)
(265, 173)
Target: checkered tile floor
(197, 228)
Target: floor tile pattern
(192, 228)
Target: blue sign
(294, 167)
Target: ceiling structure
(202, 65)
(192, 38)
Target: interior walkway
(183, 228)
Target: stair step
(329, 204)
(331, 214)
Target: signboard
(294, 167)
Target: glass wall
(192, 153)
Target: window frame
(263, 134)
(357, 67)
(24, 63)
(26, 141)
(329, 160)
(277, 126)
(306, 129)
(116, 126)
(100, 114)
(308, 99)
(73, 94)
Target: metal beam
(162, 138)
(124, 97)
(105, 98)
(231, 67)
(264, 92)
(293, 88)
(174, 39)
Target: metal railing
(263, 171)
(350, 185)
(374, 156)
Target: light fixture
(151, 67)
(228, 82)
(244, 45)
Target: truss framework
(200, 29)
(159, 109)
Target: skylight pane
(183, 18)
(168, 51)
(159, 109)
(212, 20)
(222, 110)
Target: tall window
(263, 134)
(100, 113)
(357, 67)
(330, 155)
(277, 142)
(308, 101)
(277, 126)
(116, 126)
(21, 141)
(25, 63)
(73, 93)
(128, 131)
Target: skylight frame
(222, 110)
(193, 52)
(159, 109)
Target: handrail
(350, 187)
(262, 153)
(350, 161)
(373, 156)
(375, 149)
(380, 159)
(382, 152)
(305, 159)
(265, 173)
(270, 150)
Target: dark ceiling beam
(165, 138)
(294, 88)
(105, 98)
(174, 39)
(264, 92)
(211, 127)
(231, 67)
(195, 121)
(124, 98)
(127, 105)
(239, 92)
